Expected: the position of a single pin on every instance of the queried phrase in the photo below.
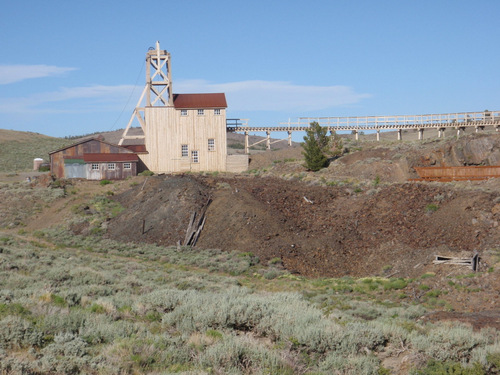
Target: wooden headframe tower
(182, 132)
(158, 78)
(158, 89)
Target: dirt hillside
(316, 230)
(356, 217)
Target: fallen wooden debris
(308, 200)
(144, 184)
(196, 224)
(471, 262)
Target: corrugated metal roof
(95, 158)
(189, 101)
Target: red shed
(93, 159)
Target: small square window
(194, 157)
(95, 166)
(111, 166)
(184, 112)
(217, 112)
(127, 165)
(201, 112)
(184, 151)
(211, 144)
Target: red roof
(189, 101)
(94, 158)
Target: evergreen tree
(316, 145)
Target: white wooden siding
(167, 130)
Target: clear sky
(73, 67)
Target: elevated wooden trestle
(356, 125)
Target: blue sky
(76, 67)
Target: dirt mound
(316, 231)
(158, 210)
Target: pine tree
(316, 146)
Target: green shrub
(213, 334)
(448, 342)
(58, 300)
(434, 367)
(105, 182)
(271, 274)
(13, 309)
(146, 173)
(359, 365)
(67, 344)
(395, 284)
(16, 332)
(431, 207)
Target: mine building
(93, 159)
(181, 132)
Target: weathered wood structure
(458, 122)
(182, 132)
(481, 172)
(93, 159)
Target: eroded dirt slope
(316, 230)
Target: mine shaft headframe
(158, 78)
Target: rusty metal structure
(457, 173)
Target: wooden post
(247, 149)
(399, 135)
(143, 225)
(420, 134)
(268, 141)
(475, 262)
(289, 138)
(378, 134)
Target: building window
(184, 151)
(217, 112)
(194, 157)
(211, 144)
(127, 165)
(111, 166)
(201, 112)
(184, 112)
(95, 166)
